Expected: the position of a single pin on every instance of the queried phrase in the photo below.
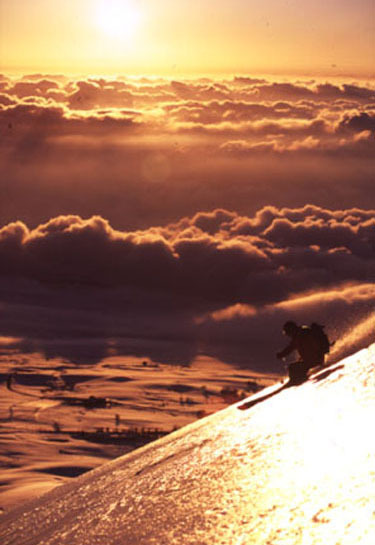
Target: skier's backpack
(320, 337)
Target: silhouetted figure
(312, 345)
(310, 342)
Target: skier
(310, 342)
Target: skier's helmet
(290, 328)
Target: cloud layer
(217, 279)
(143, 151)
(150, 208)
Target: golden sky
(327, 37)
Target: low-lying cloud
(146, 151)
(138, 211)
(218, 280)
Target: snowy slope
(296, 468)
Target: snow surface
(43, 411)
(296, 468)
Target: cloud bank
(175, 210)
(219, 281)
(146, 151)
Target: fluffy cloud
(216, 277)
(141, 158)
(40, 87)
(144, 151)
(359, 123)
(100, 94)
(200, 102)
(214, 257)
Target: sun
(118, 19)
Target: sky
(328, 37)
(156, 183)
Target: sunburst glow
(119, 19)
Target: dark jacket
(309, 350)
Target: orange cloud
(214, 256)
(216, 279)
(144, 151)
(196, 195)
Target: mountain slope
(298, 467)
